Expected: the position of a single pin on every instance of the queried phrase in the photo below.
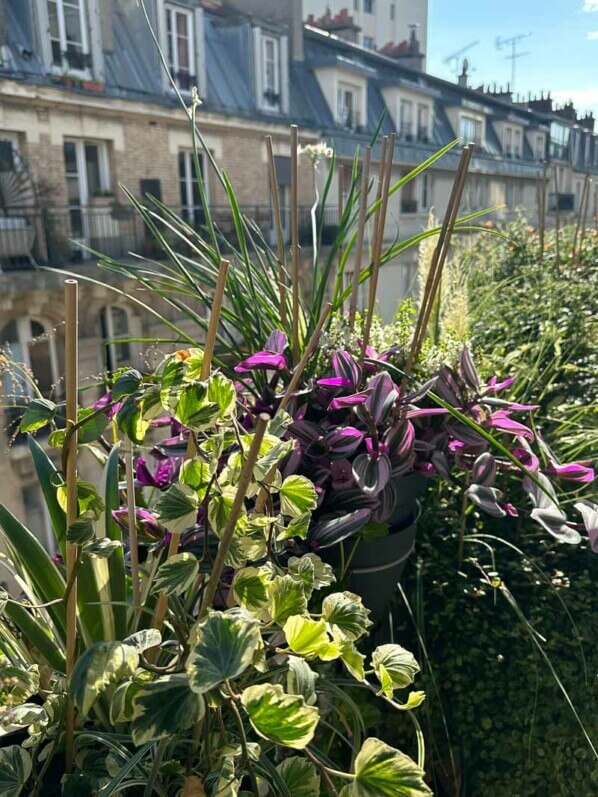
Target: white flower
(316, 152)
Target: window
(347, 113)
(114, 324)
(36, 516)
(271, 68)
(508, 143)
(355, 5)
(423, 123)
(513, 194)
(470, 129)
(192, 210)
(406, 120)
(539, 147)
(559, 140)
(87, 174)
(425, 191)
(369, 43)
(368, 6)
(517, 143)
(180, 45)
(409, 195)
(69, 35)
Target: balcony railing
(62, 236)
(558, 151)
(423, 134)
(406, 131)
(348, 119)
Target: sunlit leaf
(345, 613)
(297, 496)
(281, 718)
(177, 574)
(39, 413)
(305, 636)
(165, 707)
(100, 665)
(176, 508)
(301, 679)
(382, 771)
(395, 667)
(285, 598)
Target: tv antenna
(513, 43)
(455, 57)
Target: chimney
(541, 104)
(587, 122)
(407, 52)
(342, 24)
(106, 10)
(463, 77)
(289, 13)
(567, 112)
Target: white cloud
(590, 5)
(593, 35)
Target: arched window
(26, 340)
(114, 324)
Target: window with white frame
(114, 328)
(470, 129)
(368, 6)
(87, 172)
(271, 72)
(347, 113)
(192, 210)
(517, 142)
(539, 148)
(180, 45)
(369, 43)
(508, 142)
(69, 35)
(423, 122)
(406, 120)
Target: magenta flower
(163, 475)
(573, 471)
(494, 386)
(501, 421)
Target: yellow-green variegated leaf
(221, 391)
(223, 647)
(297, 496)
(250, 588)
(301, 680)
(165, 707)
(177, 574)
(286, 597)
(99, 666)
(277, 451)
(219, 510)
(197, 474)
(382, 771)
(194, 409)
(281, 718)
(300, 776)
(395, 667)
(121, 705)
(352, 659)
(176, 508)
(15, 770)
(346, 614)
(305, 636)
(296, 527)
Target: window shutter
(258, 58)
(284, 75)
(43, 29)
(200, 53)
(95, 41)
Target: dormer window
(406, 120)
(180, 45)
(69, 35)
(470, 129)
(423, 123)
(347, 108)
(539, 149)
(271, 72)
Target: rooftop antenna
(455, 57)
(512, 42)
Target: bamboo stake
(229, 530)
(341, 204)
(292, 386)
(542, 209)
(295, 237)
(583, 210)
(206, 365)
(279, 231)
(130, 480)
(437, 263)
(363, 207)
(585, 218)
(557, 217)
(72, 509)
(378, 241)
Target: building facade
(87, 109)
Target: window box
(93, 85)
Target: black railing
(406, 131)
(348, 118)
(423, 134)
(558, 151)
(61, 236)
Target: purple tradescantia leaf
(468, 370)
(345, 366)
(542, 497)
(424, 412)
(371, 475)
(336, 381)
(262, 360)
(494, 386)
(277, 342)
(555, 523)
(573, 471)
(330, 532)
(501, 421)
(346, 402)
(400, 440)
(149, 529)
(589, 514)
(341, 472)
(383, 395)
(375, 449)
(486, 498)
(440, 462)
(163, 476)
(447, 385)
(527, 458)
(510, 405)
(306, 431)
(469, 437)
(103, 403)
(344, 441)
(416, 395)
(483, 470)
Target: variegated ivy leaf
(197, 474)
(305, 636)
(302, 570)
(323, 573)
(15, 770)
(88, 498)
(192, 364)
(286, 597)
(22, 716)
(100, 665)
(144, 639)
(297, 527)
(194, 409)
(281, 718)
(395, 667)
(250, 587)
(219, 510)
(382, 771)
(300, 776)
(176, 508)
(18, 683)
(130, 420)
(345, 613)
(414, 700)
(301, 680)
(81, 530)
(352, 659)
(223, 647)
(277, 451)
(121, 705)
(165, 707)
(177, 574)
(297, 496)
(39, 413)
(221, 391)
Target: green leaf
(39, 413)
(305, 636)
(130, 421)
(395, 667)
(81, 530)
(196, 473)
(382, 770)
(250, 587)
(322, 574)
(177, 574)
(48, 478)
(90, 429)
(101, 548)
(15, 770)
(296, 527)
(300, 776)
(223, 647)
(301, 680)
(194, 409)
(219, 510)
(144, 640)
(127, 382)
(88, 498)
(353, 660)
(286, 597)
(345, 613)
(193, 364)
(297, 495)
(100, 665)
(271, 458)
(121, 705)
(281, 718)
(221, 391)
(176, 508)
(165, 707)
(116, 582)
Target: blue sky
(563, 46)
